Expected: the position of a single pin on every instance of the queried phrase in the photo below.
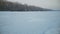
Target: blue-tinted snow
(29, 22)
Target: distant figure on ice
(11, 6)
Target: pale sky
(51, 4)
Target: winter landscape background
(29, 5)
(46, 22)
(49, 4)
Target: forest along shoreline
(12, 6)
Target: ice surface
(29, 22)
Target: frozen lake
(30, 22)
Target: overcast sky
(52, 4)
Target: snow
(29, 22)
